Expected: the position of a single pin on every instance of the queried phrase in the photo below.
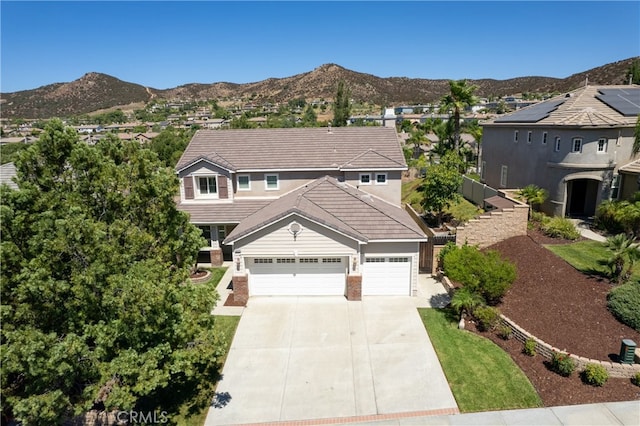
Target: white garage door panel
(297, 279)
(383, 277)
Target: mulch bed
(567, 309)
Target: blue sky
(165, 44)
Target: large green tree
(342, 105)
(441, 183)
(97, 310)
(460, 96)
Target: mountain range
(96, 91)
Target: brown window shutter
(223, 189)
(188, 188)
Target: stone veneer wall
(493, 227)
(546, 350)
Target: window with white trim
(602, 145)
(271, 182)
(576, 145)
(244, 183)
(365, 179)
(503, 176)
(529, 136)
(557, 145)
(206, 233)
(207, 186)
(544, 138)
(381, 178)
(262, 260)
(483, 166)
(332, 260)
(515, 136)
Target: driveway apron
(303, 358)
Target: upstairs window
(557, 145)
(365, 179)
(544, 138)
(576, 146)
(529, 136)
(207, 185)
(244, 183)
(271, 182)
(602, 145)
(515, 136)
(381, 178)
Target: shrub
(448, 248)
(485, 273)
(636, 379)
(505, 332)
(595, 375)
(624, 303)
(562, 364)
(560, 227)
(487, 317)
(529, 347)
(619, 216)
(539, 217)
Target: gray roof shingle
(221, 212)
(297, 148)
(338, 206)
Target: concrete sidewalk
(604, 414)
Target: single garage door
(386, 276)
(304, 276)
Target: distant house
(303, 211)
(7, 173)
(577, 146)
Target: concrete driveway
(303, 358)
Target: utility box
(627, 351)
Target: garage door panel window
(261, 260)
(398, 259)
(285, 260)
(331, 260)
(374, 259)
(308, 260)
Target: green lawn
(588, 257)
(481, 375)
(463, 210)
(410, 194)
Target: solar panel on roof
(625, 101)
(533, 113)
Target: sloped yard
(567, 309)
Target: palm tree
(620, 246)
(534, 195)
(460, 97)
(465, 300)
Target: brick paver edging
(546, 350)
(358, 419)
(202, 279)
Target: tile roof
(221, 212)
(7, 172)
(297, 148)
(580, 107)
(633, 167)
(338, 206)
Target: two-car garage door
(324, 276)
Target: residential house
(575, 146)
(303, 211)
(7, 173)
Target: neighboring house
(574, 146)
(629, 180)
(7, 173)
(303, 211)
